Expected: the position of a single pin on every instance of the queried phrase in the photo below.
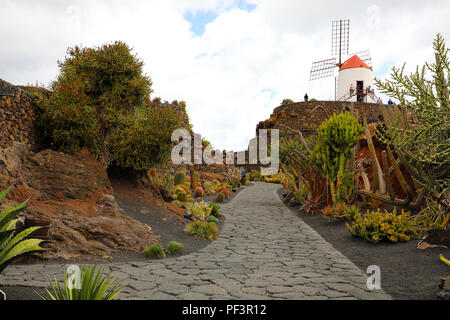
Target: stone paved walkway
(264, 252)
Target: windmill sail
(364, 56)
(340, 37)
(322, 69)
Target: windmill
(360, 79)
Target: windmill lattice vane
(364, 56)
(340, 37)
(339, 47)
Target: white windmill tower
(354, 73)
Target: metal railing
(361, 93)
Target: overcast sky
(232, 61)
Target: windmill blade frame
(322, 69)
(364, 56)
(340, 38)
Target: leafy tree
(424, 144)
(100, 101)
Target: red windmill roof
(354, 62)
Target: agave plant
(13, 245)
(92, 286)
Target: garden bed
(407, 273)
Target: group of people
(369, 90)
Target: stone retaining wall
(17, 115)
(306, 117)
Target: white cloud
(244, 64)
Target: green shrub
(286, 102)
(143, 137)
(378, 226)
(212, 219)
(215, 209)
(256, 176)
(100, 102)
(166, 180)
(423, 144)
(175, 248)
(154, 252)
(203, 230)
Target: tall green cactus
(180, 178)
(331, 155)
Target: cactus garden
(109, 191)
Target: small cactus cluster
(182, 191)
(199, 193)
(220, 197)
(195, 177)
(175, 248)
(156, 251)
(224, 194)
(209, 188)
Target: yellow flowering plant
(377, 226)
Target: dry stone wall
(306, 117)
(17, 115)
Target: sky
(232, 61)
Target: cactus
(179, 189)
(182, 197)
(400, 177)
(175, 248)
(209, 188)
(154, 252)
(387, 175)
(331, 155)
(196, 185)
(377, 173)
(220, 197)
(197, 175)
(193, 176)
(406, 203)
(199, 193)
(180, 178)
(226, 193)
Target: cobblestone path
(264, 252)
